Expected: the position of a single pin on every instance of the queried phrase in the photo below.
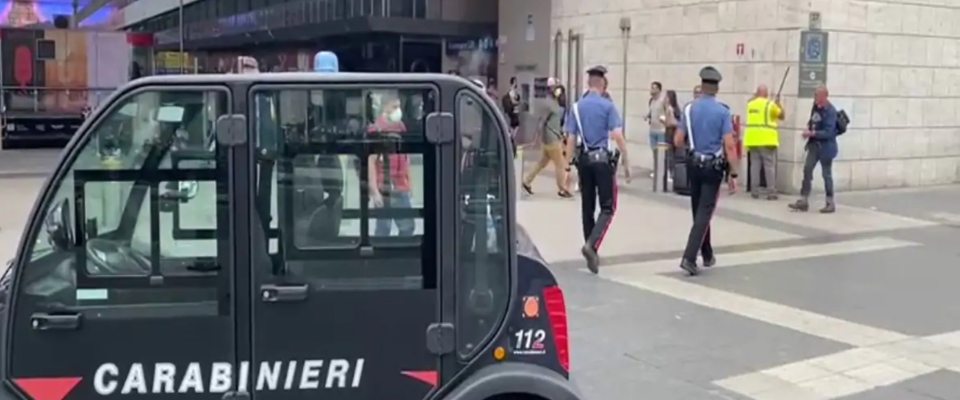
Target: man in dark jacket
(821, 135)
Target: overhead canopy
(88, 10)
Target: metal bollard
(660, 167)
(518, 173)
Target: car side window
(341, 186)
(139, 202)
(483, 253)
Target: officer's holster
(707, 161)
(697, 159)
(600, 156)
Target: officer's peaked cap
(598, 70)
(710, 74)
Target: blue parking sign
(813, 50)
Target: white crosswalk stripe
(880, 357)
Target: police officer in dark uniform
(593, 122)
(706, 131)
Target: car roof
(305, 77)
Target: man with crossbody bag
(551, 137)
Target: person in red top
(389, 176)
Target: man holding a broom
(761, 140)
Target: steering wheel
(110, 257)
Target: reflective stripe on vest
(759, 129)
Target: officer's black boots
(689, 266)
(800, 205)
(709, 262)
(829, 208)
(593, 259)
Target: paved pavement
(28, 163)
(859, 305)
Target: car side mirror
(57, 225)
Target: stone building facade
(893, 65)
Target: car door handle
(231, 395)
(278, 293)
(49, 322)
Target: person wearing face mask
(389, 172)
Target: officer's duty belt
(705, 160)
(704, 157)
(598, 156)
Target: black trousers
(598, 181)
(705, 182)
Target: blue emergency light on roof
(326, 61)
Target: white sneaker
(651, 175)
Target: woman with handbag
(676, 156)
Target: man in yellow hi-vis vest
(761, 139)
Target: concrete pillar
(525, 41)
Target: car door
(121, 285)
(480, 274)
(346, 285)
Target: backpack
(843, 120)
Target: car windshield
(109, 185)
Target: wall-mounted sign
(813, 62)
(813, 21)
(485, 44)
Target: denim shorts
(657, 137)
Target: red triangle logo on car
(428, 377)
(47, 388)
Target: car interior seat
(318, 181)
